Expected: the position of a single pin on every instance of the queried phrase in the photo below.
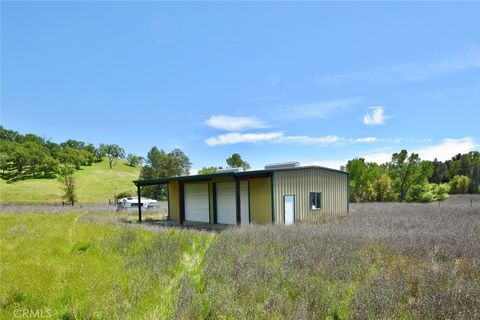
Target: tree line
(31, 156)
(234, 161)
(404, 178)
(408, 178)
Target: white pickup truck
(132, 202)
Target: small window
(315, 200)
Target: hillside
(96, 183)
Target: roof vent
(227, 170)
(282, 165)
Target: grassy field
(383, 261)
(78, 266)
(96, 183)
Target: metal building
(282, 193)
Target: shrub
(428, 192)
(420, 193)
(67, 177)
(123, 194)
(459, 184)
(381, 189)
(440, 191)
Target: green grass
(76, 268)
(382, 261)
(96, 183)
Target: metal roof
(200, 177)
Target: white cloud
(442, 151)
(279, 137)
(364, 140)
(235, 137)
(375, 117)
(447, 149)
(379, 157)
(309, 139)
(231, 123)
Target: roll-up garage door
(244, 202)
(196, 202)
(226, 207)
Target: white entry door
(226, 203)
(289, 207)
(196, 202)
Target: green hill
(96, 183)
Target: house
(281, 193)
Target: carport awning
(202, 177)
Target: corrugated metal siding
(261, 200)
(174, 200)
(332, 185)
(244, 205)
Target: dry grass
(383, 261)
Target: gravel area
(58, 208)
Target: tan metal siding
(332, 185)
(174, 200)
(261, 200)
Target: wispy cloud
(235, 137)
(410, 71)
(231, 123)
(376, 116)
(309, 139)
(366, 139)
(280, 138)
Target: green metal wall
(300, 182)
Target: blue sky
(314, 82)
